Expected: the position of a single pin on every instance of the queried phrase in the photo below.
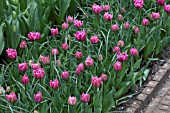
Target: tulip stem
(73, 109)
(25, 90)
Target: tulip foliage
(88, 64)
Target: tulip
(81, 67)
(120, 43)
(117, 66)
(85, 98)
(39, 73)
(38, 97)
(161, 2)
(126, 25)
(122, 57)
(11, 53)
(100, 57)
(72, 100)
(25, 79)
(55, 51)
(89, 61)
(54, 84)
(115, 27)
(133, 51)
(108, 16)
(45, 59)
(65, 46)
(138, 3)
(94, 39)
(104, 77)
(120, 17)
(54, 31)
(78, 71)
(136, 30)
(64, 26)
(8, 89)
(23, 67)
(145, 22)
(167, 8)
(78, 55)
(96, 8)
(69, 19)
(58, 62)
(106, 8)
(23, 44)
(35, 66)
(32, 36)
(78, 23)
(80, 35)
(12, 97)
(123, 10)
(96, 82)
(64, 75)
(155, 16)
(116, 49)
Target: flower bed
(89, 63)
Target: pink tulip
(167, 8)
(161, 2)
(138, 3)
(96, 82)
(85, 98)
(39, 73)
(115, 27)
(12, 97)
(89, 61)
(108, 16)
(106, 8)
(69, 19)
(155, 16)
(45, 59)
(78, 71)
(126, 25)
(80, 35)
(94, 39)
(38, 97)
(72, 100)
(58, 62)
(54, 31)
(78, 55)
(55, 51)
(35, 66)
(11, 53)
(96, 8)
(116, 49)
(133, 51)
(120, 43)
(32, 36)
(64, 26)
(25, 79)
(81, 67)
(145, 22)
(117, 66)
(23, 67)
(123, 10)
(120, 17)
(122, 57)
(23, 44)
(54, 84)
(100, 57)
(64, 75)
(65, 46)
(136, 30)
(78, 23)
(104, 77)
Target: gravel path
(161, 103)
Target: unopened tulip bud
(100, 57)
(8, 89)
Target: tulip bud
(126, 25)
(96, 82)
(94, 39)
(23, 44)
(120, 43)
(85, 98)
(133, 51)
(58, 62)
(65, 75)
(145, 22)
(69, 19)
(106, 8)
(123, 10)
(8, 89)
(54, 84)
(108, 16)
(136, 30)
(89, 61)
(104, 77)
(25, 79)
(72, 100)
(78, 55)
(100, 57)
(117, 66)
(120, 17)
(64, 46)
(38, 97)
(11, 97)
(64, 26)
(115, 27)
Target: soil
(154, 66)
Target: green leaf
(2, 44)
(44, 108)
(137, 64)
(149, 48)
(146, 72)
(97, 100)
(108, 102)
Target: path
(161, 103)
